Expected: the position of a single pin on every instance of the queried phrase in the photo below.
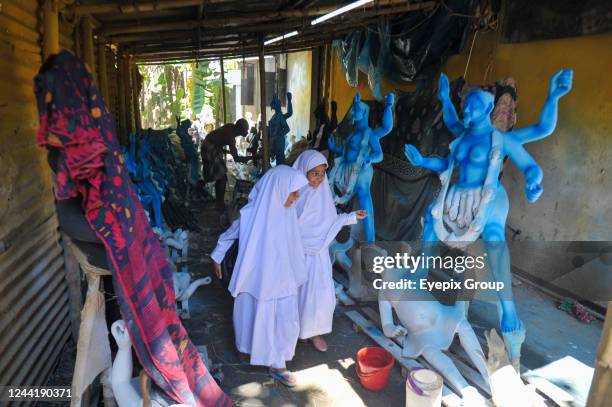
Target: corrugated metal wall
(34, 322)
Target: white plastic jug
(423, 388)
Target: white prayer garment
(319, 225)
(269, 269)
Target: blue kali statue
(352, 172)
(278, 128)
(477, 204)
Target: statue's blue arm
(387, 119)
(560, 85)
(449, 114)
(435, 164)
(514, 148)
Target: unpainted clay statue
(476, 205)
(127, 390)
(427, 328)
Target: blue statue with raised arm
(352, 172)
(476, 204)
(279, 128)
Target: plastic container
(423, 388)
(373, 367)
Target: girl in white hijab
(319, 225)
(269, 269)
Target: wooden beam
(268, 28)
(308, 38)
(262, 17)
(215, 55)
(263, 105)
(50, 28)
(135, 7)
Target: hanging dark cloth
(75, 121)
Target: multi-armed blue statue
(352, 172)
(279, 128)
(476, 205)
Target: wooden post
(73, 278)
(88, 45)
(121, 86)
(223, 104)
(262, 93)
(135, 94)
(127, 94)
(327, 84)
(601, 387)
(102, 71)
(50, 28)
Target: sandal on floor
(284, 378)
(319, 344)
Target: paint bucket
(423, 388)
(373, 367)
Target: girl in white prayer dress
(269, 269)
(319, 225)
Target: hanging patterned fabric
(75, 120)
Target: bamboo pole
(102, 71)
(601, 387)
(263, 106)
(50, 28)
(86, 29)
(223, 102)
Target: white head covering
(270, 261)
(315, 206)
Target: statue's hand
(533, 186)
(289, 96)
(443, 87)
(561, 83)
(533, 191)
(394, 331)
(413, 155)
(390, 99)
(121, 335)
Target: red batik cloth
(74, 120)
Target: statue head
(242, 127)
(275, 104)
(477, 107)
(360, 109)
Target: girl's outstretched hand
(361, 214)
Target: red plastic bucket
(373, 367)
